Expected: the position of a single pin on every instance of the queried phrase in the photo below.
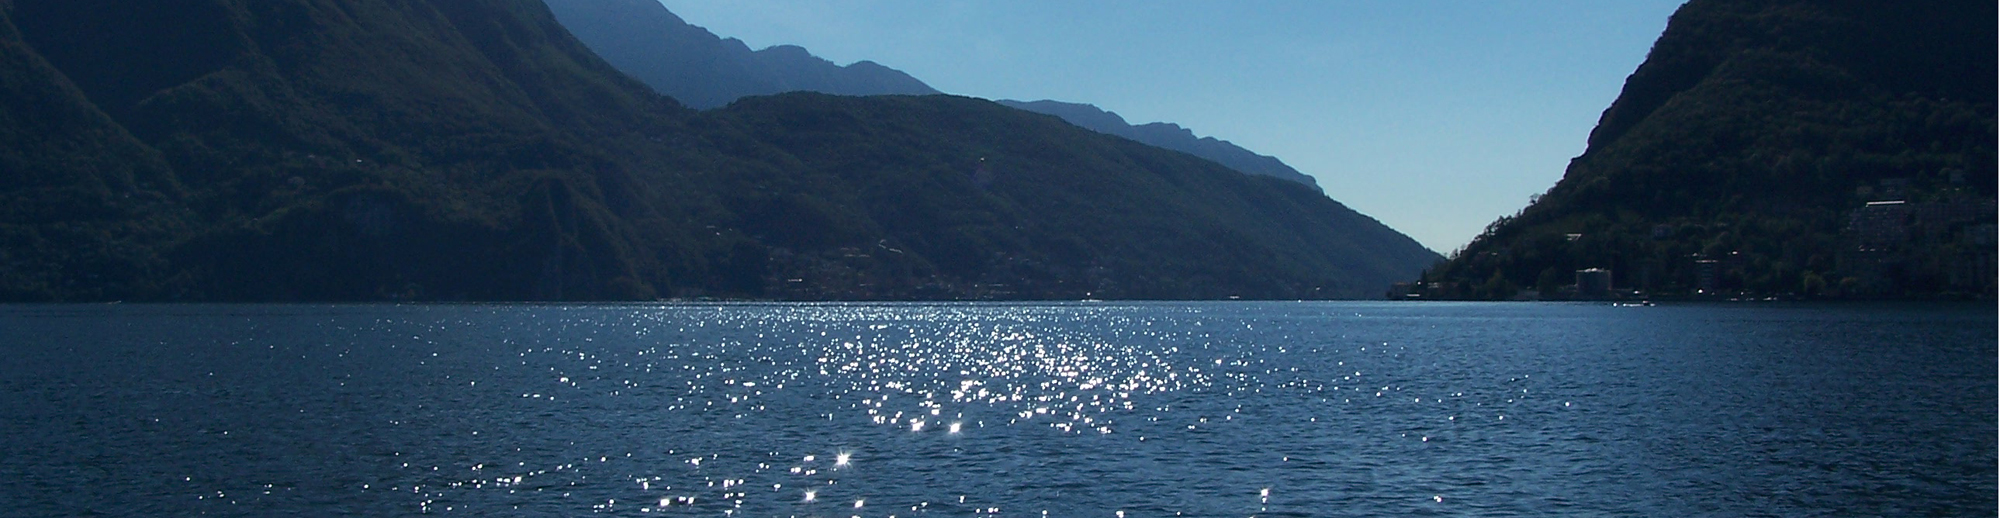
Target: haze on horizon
(1434, 117)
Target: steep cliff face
(705, 71)
(474, 150)
(1740, 155)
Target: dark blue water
(1238, 409)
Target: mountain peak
(789, 52)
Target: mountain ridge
(706, 71)
(1167, 136)
(437, 150)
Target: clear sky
(1433, 116)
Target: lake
(1068, 410)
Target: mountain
(333, 150)
(1789, 148)
(693, 65)
(1168, 136)
(704, 71)
(971, 184)
(81, 199)
(321, 150)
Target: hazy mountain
(689, 63)
(1169, 136)
(1817, 148)
(474, 150)
(704, 71)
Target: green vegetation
(285, 150)
(1742, 156)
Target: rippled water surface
(1086, 410)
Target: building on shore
(1594, 284)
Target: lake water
(1069, 410)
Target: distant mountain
(323, 150)
(1168, 136)
(1788, 148)
(689, 63)
(693, 65)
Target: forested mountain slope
(473, 150)
(996, 195)
(1810, 148)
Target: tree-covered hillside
(1810, 148)
(977, 192)
(473, 150)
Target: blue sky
(1433, 116)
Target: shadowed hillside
(644, 39)
(473, 150)
(997, 196)
(1796, 148)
